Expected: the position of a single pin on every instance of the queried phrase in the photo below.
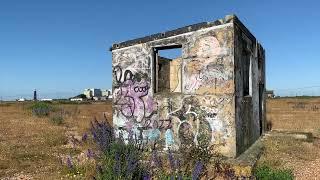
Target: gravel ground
(288, 151)
(19, 176)
(309, 171)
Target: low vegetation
(41, 109)
(48, 110)
(128, 158)
(265, 172)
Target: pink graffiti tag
(130, 99)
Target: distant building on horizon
(88, 93)
(106, 93)
(270, 94)
(93, 92)
(76, 99)
(96, 94)
(46, 99)
(21, 100)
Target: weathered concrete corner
(244, 165)
(215, 89)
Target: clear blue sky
(61, 47)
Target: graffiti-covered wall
(204, 105)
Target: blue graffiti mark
(154, 134)
(169, 138)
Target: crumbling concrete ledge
(244, 164)
(306, 136)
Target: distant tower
(35, 95)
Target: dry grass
(31, 145)
(294, 114)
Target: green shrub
(264, 172)
(41, 109)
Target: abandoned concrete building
(213, 90)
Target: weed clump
(46, 110)
(41, 109)
(264, 172)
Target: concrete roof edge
(182, 30)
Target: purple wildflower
(171, 161)
(117, 167)
(69, 162)
(156, 159)
(132, 163)
(229, 173)
(84, 137)
(197, 170)
(103, 134)
(90, 153)
(147, 177)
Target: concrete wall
(164, 74)
(250, 69)
(169, 75)
(175, 75)
(206, 104)
(294, 114)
